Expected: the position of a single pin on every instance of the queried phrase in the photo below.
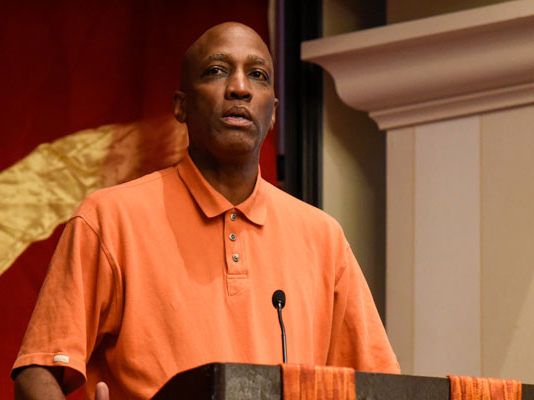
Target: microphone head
(279, 298)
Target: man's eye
(214, 71)
(259, 75)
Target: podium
(231, 381)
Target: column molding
(435, 68)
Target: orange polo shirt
(163, 274)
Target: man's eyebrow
(218, 57)
(252, 59)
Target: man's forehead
(232, 58)
(233, 40)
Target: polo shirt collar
(212, 203)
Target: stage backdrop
(86, 102)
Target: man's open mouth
(237, 116)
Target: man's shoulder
(146, 189)
(299, 211)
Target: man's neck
(235, 180)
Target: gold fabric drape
(42, 190)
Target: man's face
(228, 99)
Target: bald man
(177, 269)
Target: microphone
(279, 301)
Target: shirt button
(235, 257)
(233, 216)
(233, 237)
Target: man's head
(227, 94)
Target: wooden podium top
(248, 381)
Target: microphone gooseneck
(279, 301)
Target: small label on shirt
(61, 358)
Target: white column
(447, 248)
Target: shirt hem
(71, 381)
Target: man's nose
(238, 87)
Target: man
(176, 269)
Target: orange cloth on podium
(308, 382)
(470, 388)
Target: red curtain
(69, 65)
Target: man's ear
(179, 106)
(273, 118)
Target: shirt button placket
(236, 266)
(232, 246)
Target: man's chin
(232, 145)
(237, 151)
(239, 142)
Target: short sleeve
(359, 339)
(76, 307)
